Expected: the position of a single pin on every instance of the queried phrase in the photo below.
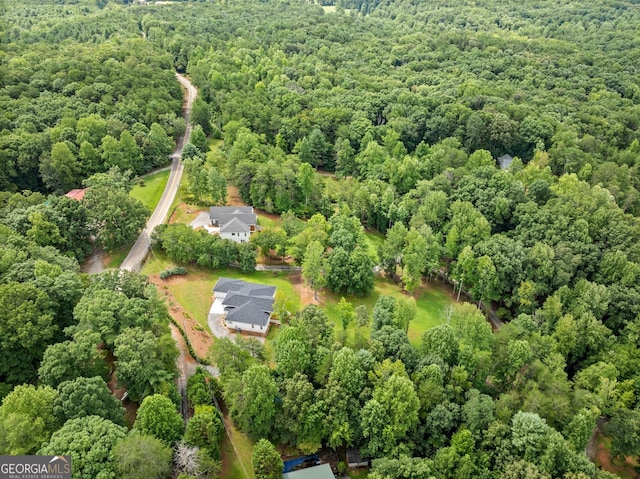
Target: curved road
(139, 251)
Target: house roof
(226, 285)
(214, 211)
(246, 302)
(323, 471)
(505, 161)
(247, 309)
(77, 194)
(235, 226)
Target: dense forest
(404, 107)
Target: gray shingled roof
(235, 226)
(229, 210)
(246, 302)
(246, 309)
(248, 219)
(226, 285)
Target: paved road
(138, 253)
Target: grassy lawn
(194, 294)
(360, 473)
(374, 239)
(232, 469)
(115, 258)
(431, 300)
(267, 222)
(152, 190)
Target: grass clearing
(360, 473)
(150, 193)
(115, 258)
(231, 466)
(374, 240)
(267, 222)
(431, 301)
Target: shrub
(173, 271)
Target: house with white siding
(235, 223)
(243, 307)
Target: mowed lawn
(431, 302)
(150, 193)
(232, 468)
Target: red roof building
(76, 194)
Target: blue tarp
(291, 464)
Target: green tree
(70, 359)
(301, 418)
(143, 362)
(442, 342)
(362, 315)
(390, 253)
(26, 328)
(266, 461)
(217, 186)
(117, 217)
(313, 266)
(346, 312)
(255, 407)
(87, 397)
(624, 430)
(305, 180)
(140, 456)
(205, 429)
(89, 441)
(27, 419)
(62, 171)
(247, 257)
(159, 417)
(292, 352)
(529, 435)
(198, 139)
(390, 415)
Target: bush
(173, 271)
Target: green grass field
(266, 222)
(152, 190)
(431, 301)
(231, 465)
(374, 240)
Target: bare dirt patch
(184, 213)
(200, 339)
(603, 459)
(304, 292)
(131, 407)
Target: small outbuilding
(354, 459)
(505, 161)
(323, 471)
(77, 194)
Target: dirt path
(304, 292)
(200, 339)
(94, 263)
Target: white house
(244, 306)
(235, 223)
